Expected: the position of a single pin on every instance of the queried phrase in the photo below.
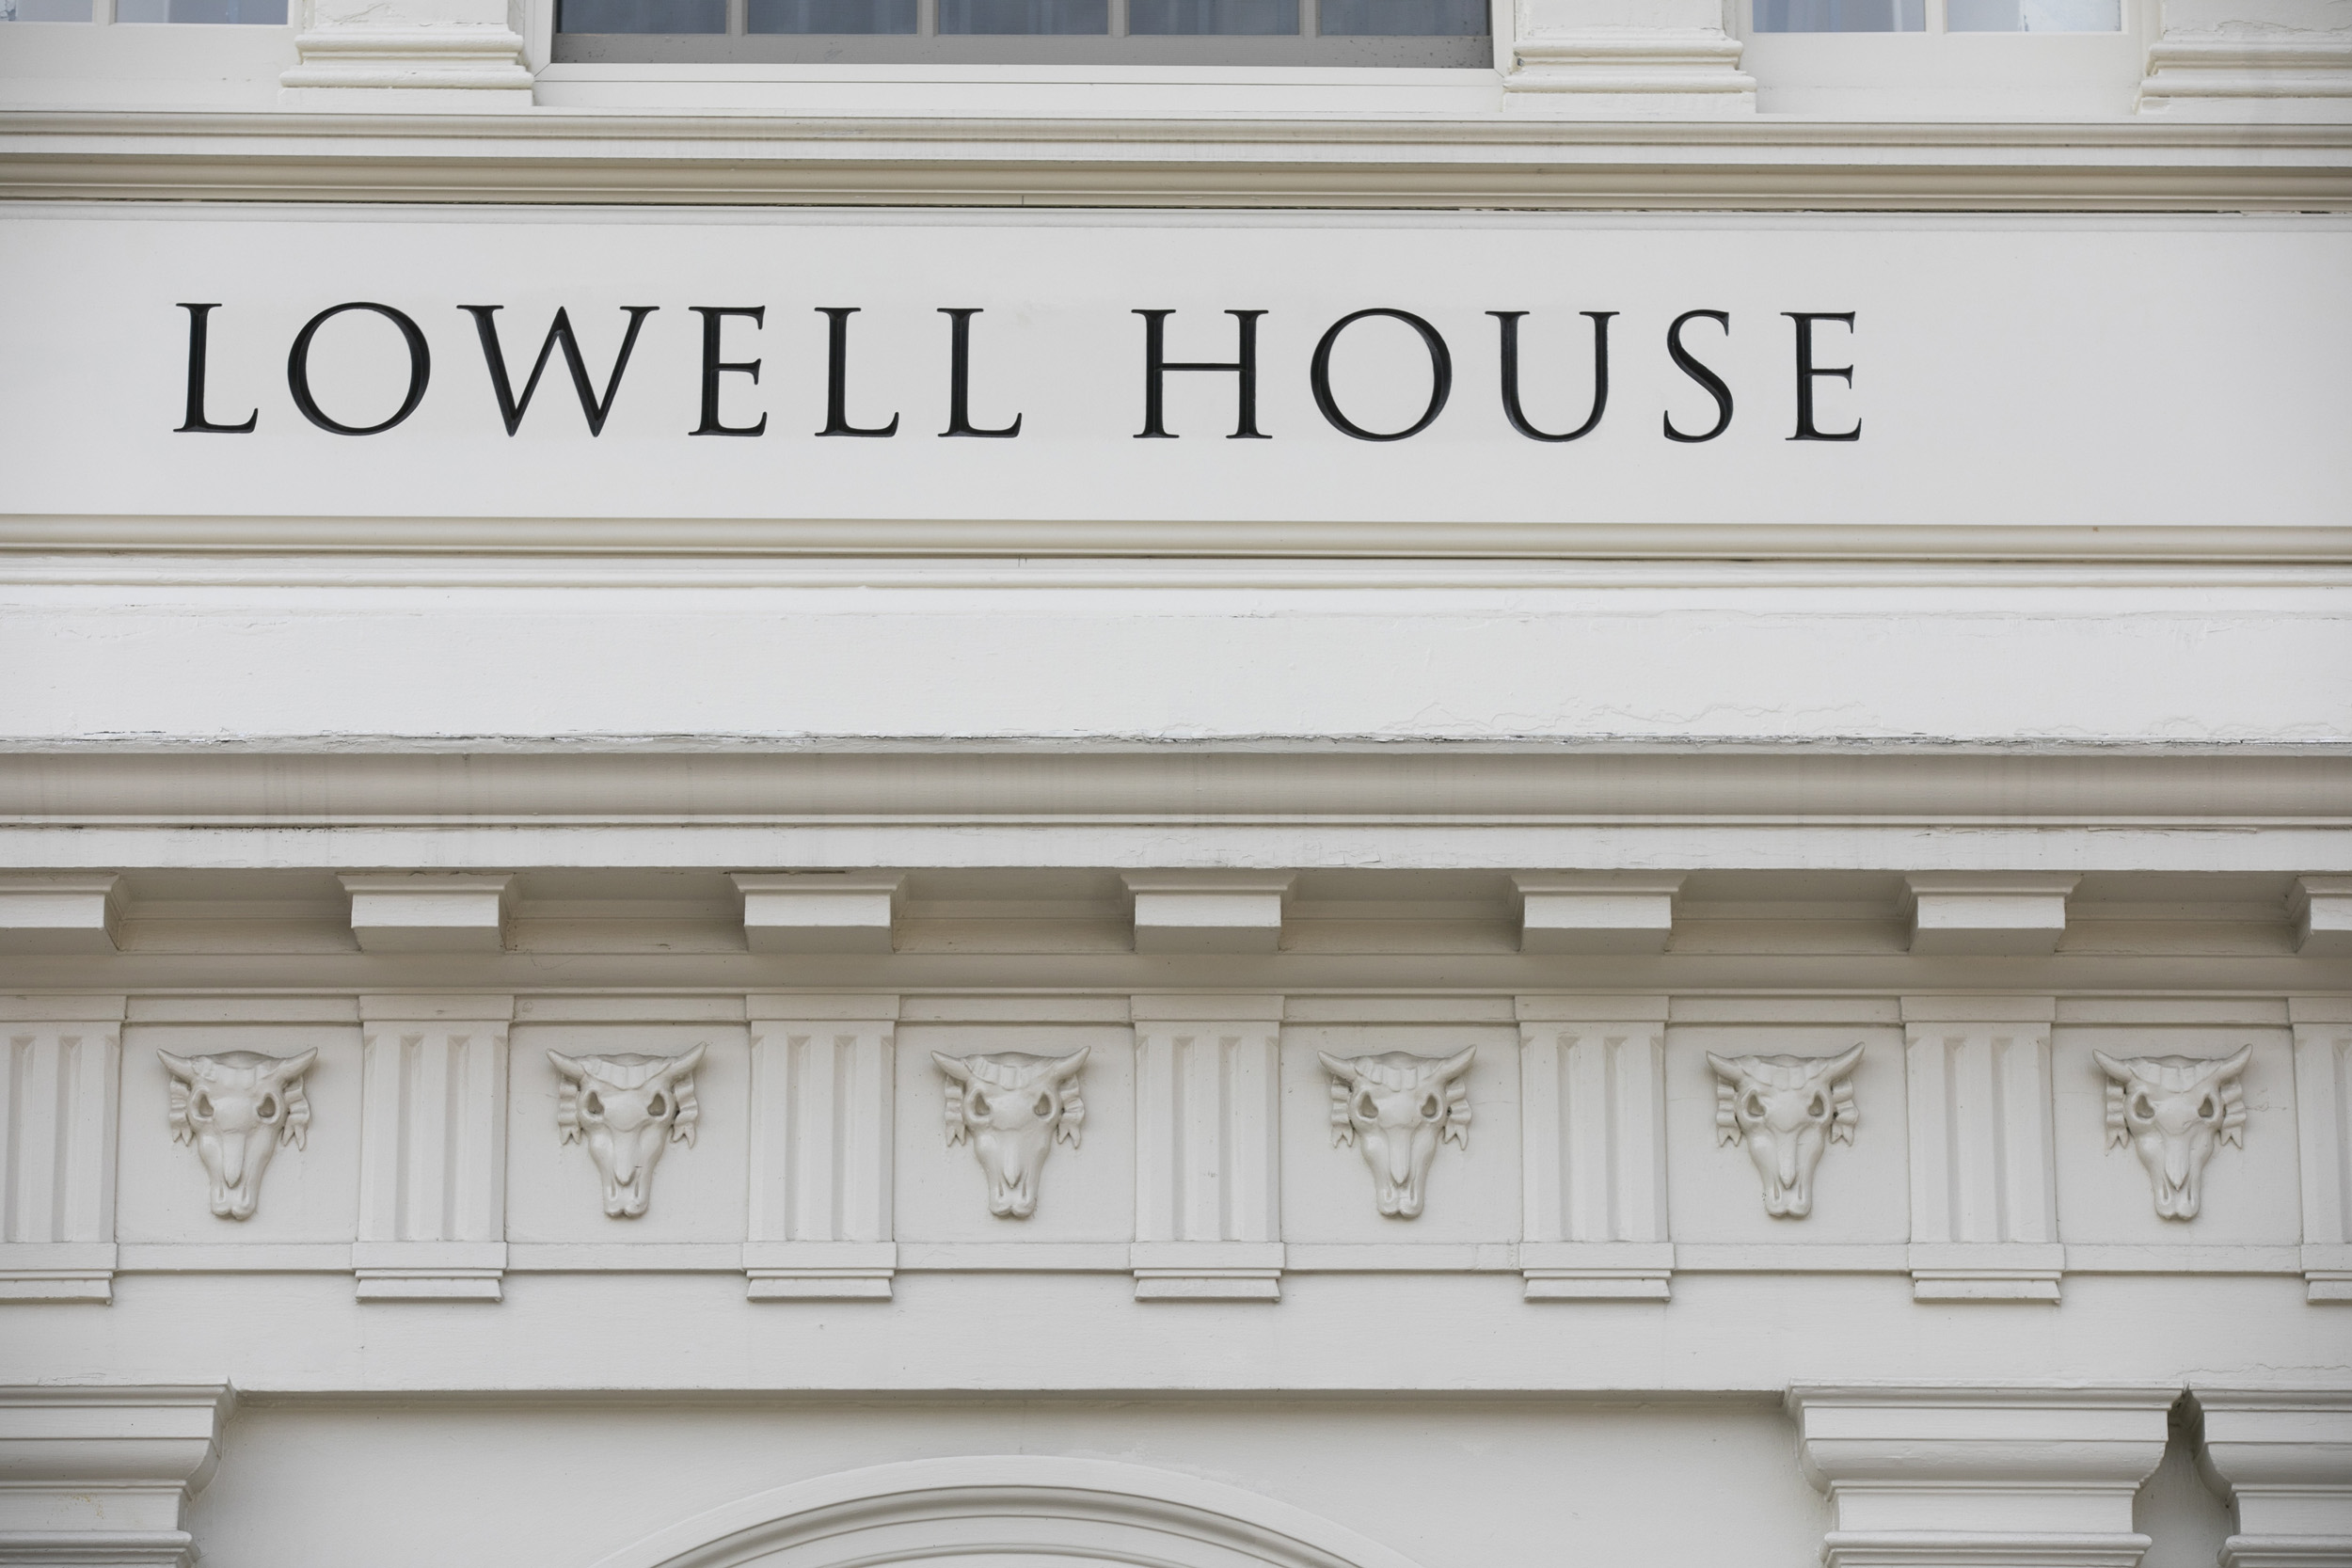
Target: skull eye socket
(2207, 1110)
(1364, 1108)
(656, 1106)
(593, 1103)
(2139, 1108)
(1752, 1106)
(1043, 1109)
(201, 1105)
(976, 1103)
(268, 1109)
(1816, 1107)
(1430, 1108)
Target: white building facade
(1334, 784)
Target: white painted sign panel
(1915, 370)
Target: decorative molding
(242, 1009)
(2284, 1457)
(1738, 163)
(1208, 1161)
(1208, 912)
(61, 1082)
(2249, 71)
(1602, 58)
(1013, 1108)
(420, 911)
(1953, 1477)
(626, 1109)
(1595, 911)
(2173, 1111)
(60, 913)
(1593, 1141)
(1983, 915)
(236, 1107)
(2321, 907)
(1018, 1507)
(716, 1007)
(431, 1148)
(100, 1476)
(1984, 1164)
(450, 55)
(1602, 75)
(823, 1103)
(1395, 1108)
(2323, 1109)
(623, 792)
(820, 912)
(1787, 1110)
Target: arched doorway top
(1096, 1510)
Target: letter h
(1155, 367)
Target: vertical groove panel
(12, 1216)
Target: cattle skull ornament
(1013, 1108)
(236, 1108)
(1396, 1108)
(1787, 1110)
(2172, 1110)
(626, 1109)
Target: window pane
(1841, 16)
(45, 11)
(269, 12)
(1213, 16)
(829, 16)
(1402, 18)
(641, 16)
(1024, 16)
(2034, 16)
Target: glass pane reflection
(2034, 16)
(1228, 17)
(829, 16)
(642, 16)
(1841, 16)
(1024, 16)
(1402, 18)
(265, 12)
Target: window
(252, 12)
(1022, 32)
(1949, 16)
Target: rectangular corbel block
(1208, 912)
(1596, 912)
(428, 1270)
(818, 1271)
(423, 911)
(1207, 1270)
(1597, 1271)
(820, 912)
(60, 913)
(2321, 911)
(1973, 913)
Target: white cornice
(702, 781)
(552, 156)
(456, 537)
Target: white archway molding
(1079, 1510)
